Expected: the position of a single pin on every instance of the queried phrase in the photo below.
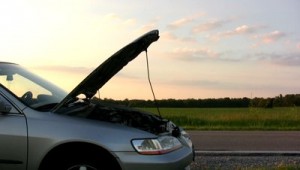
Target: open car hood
(104, 72)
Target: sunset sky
(207, 48)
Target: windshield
(29, 88)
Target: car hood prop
(104, 72)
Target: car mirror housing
(4, 107)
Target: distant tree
(269, 103)
(278, 101)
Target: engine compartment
(129, 117)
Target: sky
(207, 48)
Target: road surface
(246, 149)
(261, 141)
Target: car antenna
(148, 73)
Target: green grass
(285, 118)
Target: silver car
(43, 127)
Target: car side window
(6, 107)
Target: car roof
(3, 62)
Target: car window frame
(15, 109)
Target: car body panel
(13, 139)
(13, 143)
(177, 160)
(65, 129)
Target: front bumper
(176, 160)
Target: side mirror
(9, 77)
(4, 107)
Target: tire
(79, 163)
(80, 160)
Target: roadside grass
(280, 118)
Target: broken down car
(43, 127)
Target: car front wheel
(80, 165)
(79, 159)
(76, 162)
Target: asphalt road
(246, 149)
(251, 141)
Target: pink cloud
(184, 21)
(243, 29)
(168, 36)
(272, 36)
(172, 37)
(240, 30)
(194, 53)
(208, 26)
(179, 23)
(298, 46)
(147, 27)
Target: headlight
(156, 146)
(187, 138)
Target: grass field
(285, 118)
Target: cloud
(197, 83)
(194, 53)
(184, 21)
(210, 25)
(298, 46)
(148, 27)
(110, 17)
(65, 69)
(217, 84)
(291, 59)
(169, 36)
(244, 29)
(199, 54)
(204, 53)
(113, 18)
(240, 30)
(179, 23)
(271, 37)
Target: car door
(13, 137)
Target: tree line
(278, 101)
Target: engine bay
(129, 117)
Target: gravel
(245, 162)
